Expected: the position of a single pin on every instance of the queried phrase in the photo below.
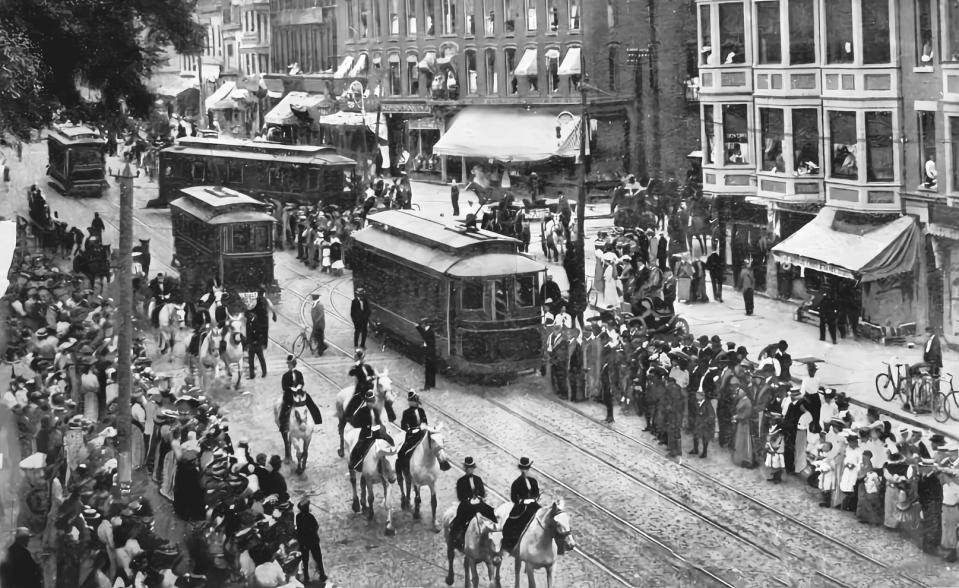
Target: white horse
(170, 319)
(379, 467)
(482, 543)
(208, 355)
(232, 352)
(427, 459)
(548, 534)
(299, 432)
(385, 397)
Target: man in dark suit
(524, 492)
(360, 313)
(412, 422)
(367, 420)
(828, 312)
(255, 344)
(291, 382)
(308, 536)
(704, 423)
(716, 268)
(471, 492)
(429, 352)
(550, 291)
(577, 375)
(932, 352)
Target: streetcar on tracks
(477, 291)
(223, 235)
(76, 160)
(271, 172)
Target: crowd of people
(235, 520)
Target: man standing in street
(827, 317)
(308, 536)
(748, 283)
(20, 569)
(360, 313)
(932, 352)
(318, 316)
(429, 352)
(255, 344)
(550, 294)
(455, 197)
(716, 268)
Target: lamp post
(125, 332)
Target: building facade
(304, 35)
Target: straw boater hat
(525, 463)
(469, 462)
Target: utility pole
(634, 57)
(654, 89)
(125, 333)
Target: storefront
(235, 114)
(296, 118)
(940, 269)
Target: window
(925, 48)
(875, 32)
(430, 17)
(773, 127)
(735, 134)
(879, 147)
(805, 141)
(612, 13)
(198, 171)
(954, 152)
(510, 61)
(469, 9)
(412, 75)
(709, 126)
(492, 76)
(951, 30)
(574, 15)
(500, 302)
(394, 18)
(706, 35)
(552, 71)
(552, 15)
(928, 172)
(732, 32)
(394, 77)
(509, 16)
(612, 64)
(770, 37)
(411, 17)
(377, 15)
(472, 296)
(531, 15)
(489, 18)
(842, 138)
(449, 16)
(802, 34)
(364, 19)
(472, 85)
(525, 291)
(838, 16)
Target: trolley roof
(318, 156)
(217, 205)
(75, 134)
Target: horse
(385, 397)
(208, 352)
(171, 318)
(94, 264)
(300, 432)
(379, 467)
(427, 459)
(548, 534)
(232, 352)
(482, 543)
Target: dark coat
(307, 529)
(932, 351)
(412, 418)
(20, 569)
(465, 493)
(360, 311)
(290, 380)
(364, 419)
(550, 291)
(704, 420)
(519, 491)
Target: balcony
(859, 82)
(851, 195)
(787, 81)
(726, 80)
(790, 189)
(738, 180)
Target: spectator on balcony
(931, 173)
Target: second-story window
(512, 84)
(709, 130)
(552, 71)
(573, 15)
(552, 15)
(430, 18)
(377, 19)
(770, 36)
(411, 17)
(449, 16)
(612, 65)
(839, 41)
(875, 32)
(492, 75)
(412, 75)
(394, 75)
(351, 20)
(394, 18)
(880, 166)
(612, 13)
(736, 133)
(469, 10)
(772, 124)
(531, 15)
(928, 170)
(954, 153)
(925, 48)
(732, 32)
(489, 17)
(706, 34)
(805, 141)
(365, 19)
(509, 16)
(950, 30)
(802, 32)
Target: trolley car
(77, 160)
(223, 235)
(477, 291)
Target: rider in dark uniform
(161, 295)
(364, 374)
(412, 422)
(524, 492)
(471, 492)
(292, 383)
(367, 419)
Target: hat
(829, 393)
(937, 439)
(742, 351)
(412, 396)
(42, 332)
(67, 344)
(715, 339)
(850, 434)
(730, 346)
(23, 532)
(37, 461)
(794, 391)
(525, 463)
(359, 353)
(370, 395)
(469, 462)
(290, 358)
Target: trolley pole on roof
(125, 333)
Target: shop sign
(946, 216)
(405, 108)
(423, 124)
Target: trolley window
(525, 291)
(500, 300)
(261, 237)
(472, 296)
(198, 171)
(86, 157)
(242, 239)
(234, 171)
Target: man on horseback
(293, 395)
(365, 376)
(161, 295)
(471, 492)
(523, 493)
(367, 419)
(412, 422)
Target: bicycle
(947, 402)
(916, 392)
(887, 386)
(303, 341)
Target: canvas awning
(219, 94)
(428, 63)
(355, 119)
(344, 67)
(527, 65)
(236, 100)
(446, 63)
(571, 63)
(274, 87)
(507, 134)
(294, 106)
(359, 68)
(864, 252)
(211, 72)
(177, 87)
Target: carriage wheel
(681, 328)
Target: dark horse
(141, 255)
(94, 263)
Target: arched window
(492, 75)
(472, 82)
(613, 66)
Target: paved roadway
(640, 519)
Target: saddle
(515, 526)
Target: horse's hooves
(339, 452)
(390, 531)
(436, 529)
(356, 505)
(416, 515)
(449, 580)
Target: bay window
(773, 128)
(411, 17)
(950, 29)
(492, 75)
(706, 34)
(770, 36)
(732, 32)
(471, 72)
(928, 172)
(879, 147)
(926, 10)
(875, 32)
(805, 141)
(449, 16)
(735, 134)
(709, 124)
(802, 32)
(954, 152)
(843, 145)
(839, 41)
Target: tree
(47, 47)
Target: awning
(527, 65)
(494, 265)
(446, 63)
(355, 119)
(211, 72)
(177, 87)
(865, 252)
(428, 63)
(411, 59)
(219, 94)
(344, 67)
(491, 133)
(238, 99)
(274, 87)
(571, 63)
(359, 68)
(296, 106)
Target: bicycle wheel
(939, 408)
(951, 404)
(299, 345)
(885, 388)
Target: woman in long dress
(188, 496)
(895, 471)
(742, 441)
(869, 506)
(608, 292)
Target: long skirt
(799, 459)
(743, 453)
(188, 493)
(890, 515)
(869, 508)
(168, 482)
(931, 526)
(137, 447)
